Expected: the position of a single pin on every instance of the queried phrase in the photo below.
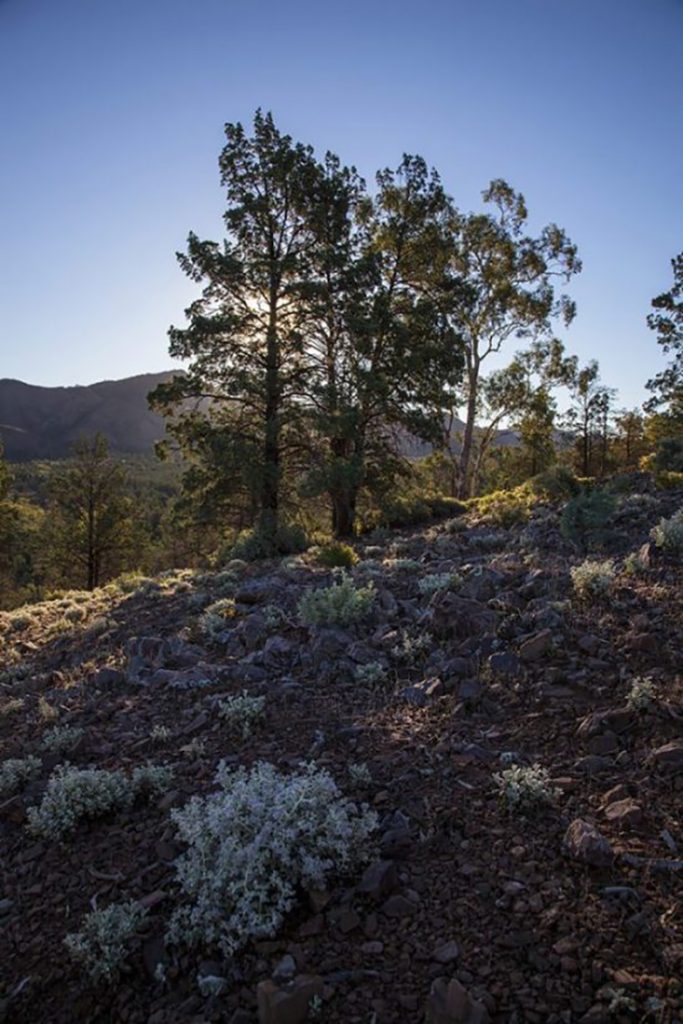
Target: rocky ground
(471, 911)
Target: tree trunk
(466, 453)
(270, 487)
(344, 513)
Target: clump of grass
(217, 617)
(46, 711)
(641, 696)
(337, 556)
(593, 579)
(11, 707)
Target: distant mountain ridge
(43, 422)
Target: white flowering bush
(523, 787)
(668, 533)
(16, 772)
(593, 579)
(61, 739)
(642, 695)
(370, 674)
(253, 844)
(217, 617)
(437, 581)
(242, 712)
(340, 604)
(105, 941)
(76, 794)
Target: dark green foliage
(586, 518)
(503, 287)
(557, 482)
(411, 510)
(669, 455)
(337, 556)
(252, 545)
(90, 515)
(505, 508)
(667, 322)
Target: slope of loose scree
(482, 896)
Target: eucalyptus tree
(589, 418)
(236, 409)
(382, 354)
(521, 396)
(506, 282)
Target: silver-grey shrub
(668, 533)
(16, 772)
(105, 940)
(253, 844)
(76, 794)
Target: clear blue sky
(111, 119)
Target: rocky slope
(471, 910)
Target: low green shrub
(217, 617)
(337, 556)
(585, 519)
(592, 579)
(556, 483)
(505, 508)
(668, 533)
(252, 545)
(669, 479)
(338, 605)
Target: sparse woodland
(297, 724)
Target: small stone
(450, 1003)
(287, 1004)
(626, 814)
(669, 757)
(582, 842)
(373, 948)
(398, 906)
(447, 953)
(379, 879)
(536, 646)
(285, 969)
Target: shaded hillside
(476, 903)
(42, 423)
